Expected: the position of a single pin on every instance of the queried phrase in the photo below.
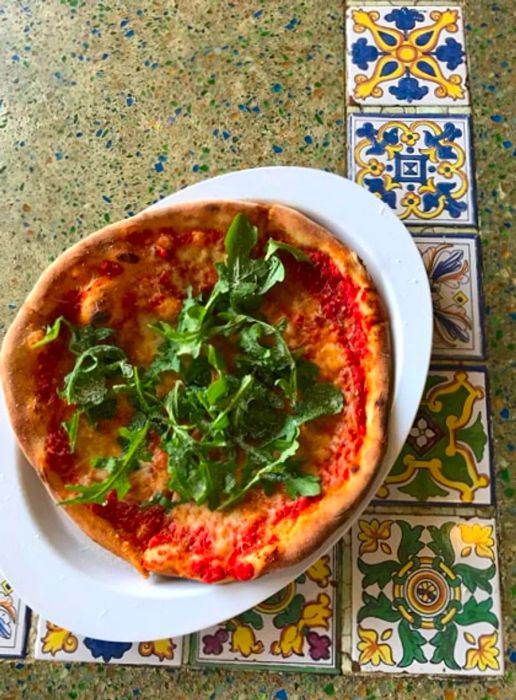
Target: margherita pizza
(203, 388)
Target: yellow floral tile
(14, 621)
(55, 643)
(406, 55)
(428, 600)
(297, 628)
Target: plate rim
(280, 179)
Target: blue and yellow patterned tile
(14, 621)
(420, 165)
(295, 629)
(54, 643)
(453, 265)
(447, 456)
(406, 56)
(426, 595)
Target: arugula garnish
(118, 469)
(89, 387)
(225, 429)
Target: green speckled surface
(99, 120)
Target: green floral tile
(426, 595)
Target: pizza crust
(308, 532)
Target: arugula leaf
(240, 240)
(83, 338)
(72, 426)
(118, 469)
(274, 246)
(217, 390)
(266, 462)
(51, 333)
(87, 385)
(303, 485)
(322, 400)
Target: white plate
(76, 584)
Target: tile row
(424, 598)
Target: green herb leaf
(118, 469)
(274, 246)
(51, 333)
(240, 240)
(303, 485)
(85, 337)
(321, 400)
(72, 426)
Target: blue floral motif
(432, 199)
(367, 131)
(106, 650)
(408, 89)
(449, 133)
(452, 263)
(447, 269)
(377, 186)
(390, 138)
(451, 327)
(450, 53)
(363, 53)
(405, 18)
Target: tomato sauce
(70, 305)
(47, 381)
(338, 294)
(57, 452)
(137, 524)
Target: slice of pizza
(203, 388)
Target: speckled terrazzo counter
(107, 107)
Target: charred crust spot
(99, 317)
(355, 468)
(130, 258)
(380, 403)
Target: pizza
(203, 388)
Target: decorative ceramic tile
(57, 644)
(419, 165)
(296, 628)
(14, 621)
(345, 607)
(446, 457)
(453, 265)
(426, 596)
(406, 55)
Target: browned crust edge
(331, 512)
